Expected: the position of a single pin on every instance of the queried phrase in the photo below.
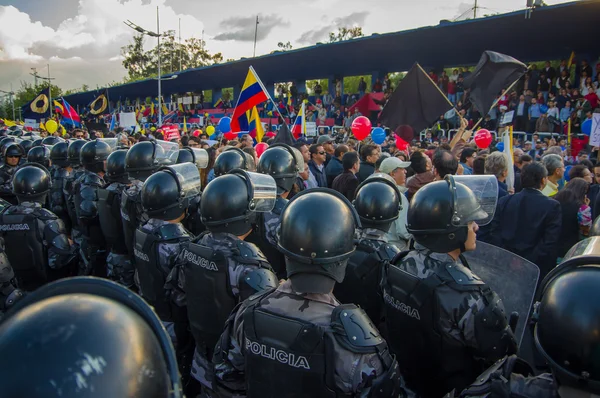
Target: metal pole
(49, 92)
(180, 49)
(159, 83)
(12, 100)
(255, 35)
(475, 10)
(34, 76)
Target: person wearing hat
(398, 235)
(327, 142)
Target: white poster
(180, 100)
(508, 117)
(311, 129)
(127, 119)
(31, 123)
(187, 100)
(595, 134)
(196, 99)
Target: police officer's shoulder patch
(354, 330)
(463, 275)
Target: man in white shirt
(396, 168)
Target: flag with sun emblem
(39, 108)
(100, 105)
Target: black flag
(494, 72)
(417, 102)
(284, 136)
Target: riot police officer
(12, 155)
(165, 196)
(35, 238)
(283, 163)
(51, 140)
(86, 337)
(567, 343)
(73, 152)
(143, 159)
(297, 337)
(59, 171)
(442, 319)
(118, 261)
(378, 206)
(233, 158)
(93, 157)
(39, 154)
(219, 269)
(4, 142)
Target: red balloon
(260, 148)
(483, 138)
(231, 135)
(361, 127)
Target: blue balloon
(378, 135)
(586, 127)
(566, 174)
(225, 125)
(544, 109)
(500, 146)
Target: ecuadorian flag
(299, 126)
(255, 126)
(252, 94)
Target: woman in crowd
(576, 213)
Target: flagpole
(266, 92)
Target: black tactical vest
(129, 214)
(23, 239)
(411, 309)
(259, 238)
(151, 276)
(363, 275)
(109, 212)
(68, 192)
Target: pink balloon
(483, 138)
(260, 148)
(361, 127)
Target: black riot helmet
(59, 154)
(52, 140)
(378, 201)
(185, 156)
(141, 160)
(74, 151)
(37, 142)
(40, 155)
(166, 193)
(230, 202)
(93, 155)
(13, 149)
(233, 158)
(283, 163)
(440, 212)
(568, 318)
(115, 167)
(4, 142)
(101, 339)
(316, 237)
(31, 182)
(26, 145)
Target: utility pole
(475, 10)
(34, 74)
(180, 49)
(255, 36)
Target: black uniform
(6, 174)
(58, 204)
(36, 245)
(93, 244)
(265, 236)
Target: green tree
(284, 46)
(310, 86)
(344, 33)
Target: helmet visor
(168, 152)
(112, 142)
(587, 247)
(189, 178)
(200, 157)
(475, 198)
(262, 188)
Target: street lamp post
(157, 35)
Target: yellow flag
(184, 125)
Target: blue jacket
(333, 169)
(319, 175)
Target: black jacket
(333, 169)
(346, 184)
(366, 169)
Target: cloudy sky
(81, 39)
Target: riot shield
(512, 277)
